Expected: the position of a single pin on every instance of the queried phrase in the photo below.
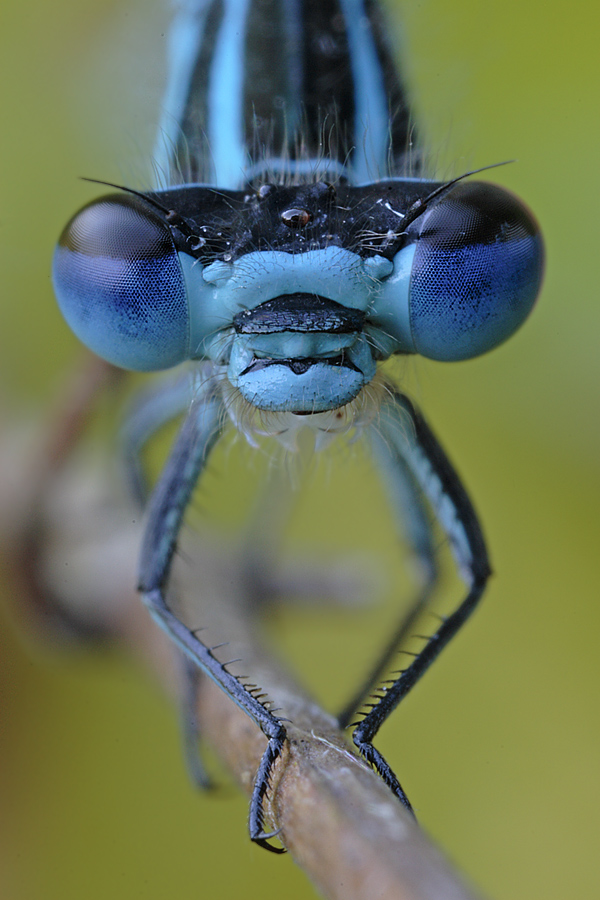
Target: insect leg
(167, 506)
(414, 522)
(190, 727)
(150, 410)
(408, 438)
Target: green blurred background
(498, 747)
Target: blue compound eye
(468, 276)
(119, 284)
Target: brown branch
(334, 815)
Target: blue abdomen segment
(467, 278)
(119, 285)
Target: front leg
(404, 435)
(414, 525)
(167, 506)
(151, 409)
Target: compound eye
(476, 272)
(119, 284)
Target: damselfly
(294, 249)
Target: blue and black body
(292, 247)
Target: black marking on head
(299, 312)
